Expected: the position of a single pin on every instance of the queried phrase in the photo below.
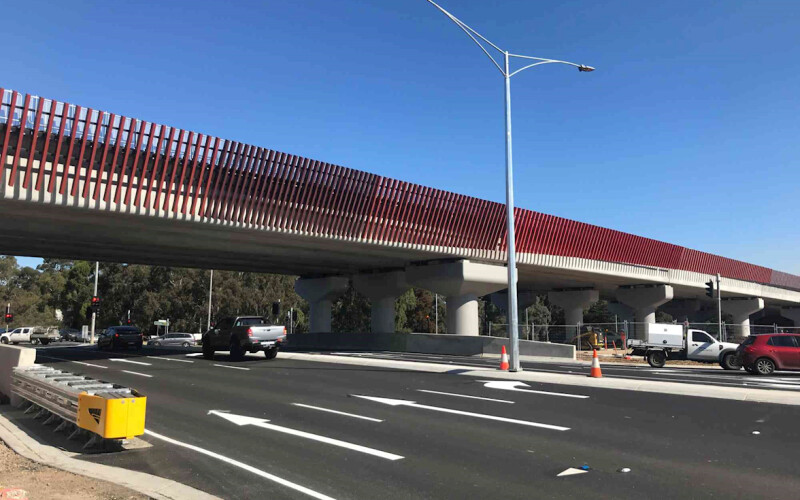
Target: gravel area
(21, 478)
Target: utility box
(665, 335)
(112, 417)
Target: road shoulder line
(673, 388)
(153, 486)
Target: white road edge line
(123, 360)
(171, 359)
(338, 412)
(233, 367)
(241, 465)
(137, 373)
(466, 396)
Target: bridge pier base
(741, 309)
(462, 282)
(320, 292)
(644, 299)
(382, 289)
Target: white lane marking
(171, 359)
(466, 396)
(89, 364)
(78, 362)
(241, 465)
(403, 402)
(123, 360)
(514, 385)
(234, 367)
(194, 355)
(261, 422)
(571, 472)
(137, 373)
(338, 412)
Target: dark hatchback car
(763, 354)
(116, 337)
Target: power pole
(436, 309)
(94, 309)
(719, 309)
(210, 289)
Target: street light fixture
(513, 322)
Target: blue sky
(687, 132)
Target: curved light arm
(472, 34)
(580, 67)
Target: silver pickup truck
(240, 334)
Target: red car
(763, 354)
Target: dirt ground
(609, 355)
(41, 482)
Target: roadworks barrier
(596, 372)
(105, 413)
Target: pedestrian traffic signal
(710, 288)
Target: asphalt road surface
(302, 429)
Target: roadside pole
(719, 310)
(436, 310)
(210, 289)
(94, 309)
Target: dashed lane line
(466, 396)
(242, 465)
(70, 361)
(328, 410)
(232, 367)
(137, 373)
(170, 359)
(123, 360)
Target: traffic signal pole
(94, 308)
(719, 310)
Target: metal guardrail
(104, 411)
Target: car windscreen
(749, 340)
(251, 321)
(126, 330)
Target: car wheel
(656, 359)
(208, 351)
(731, 361)
(271, 353)
(764, 366)
(4, 340)
(185, 344)
(236, 350)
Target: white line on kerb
(234, 367)
(466, 396)
(171, 359)
(122, 360)
(137, 373)
(338, 412)
(241, 465)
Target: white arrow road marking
(514, 385)
(260, 422)
(137, 373)
(403, 402)
(236, 463)
(466, 396)
(571, 472)
(121, 360)
(171, 359)
(337, 412)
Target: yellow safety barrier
(117, 418)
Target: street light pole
(513, 313)
(210, 289)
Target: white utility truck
(669, 342)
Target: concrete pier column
(462, 282)
(792, 313)
(573, 302)
(382, 290)
(644, 299)
(319, 293)
(741, 309)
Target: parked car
(763, 354)
(116, 337)
(174, 339)
(244, 333)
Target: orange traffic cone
(504, 359)
(595, 373)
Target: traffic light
(96, 302)
(276, 308)
(9, 317)
(710, 288)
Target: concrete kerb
(146, 484)
(659, 387)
